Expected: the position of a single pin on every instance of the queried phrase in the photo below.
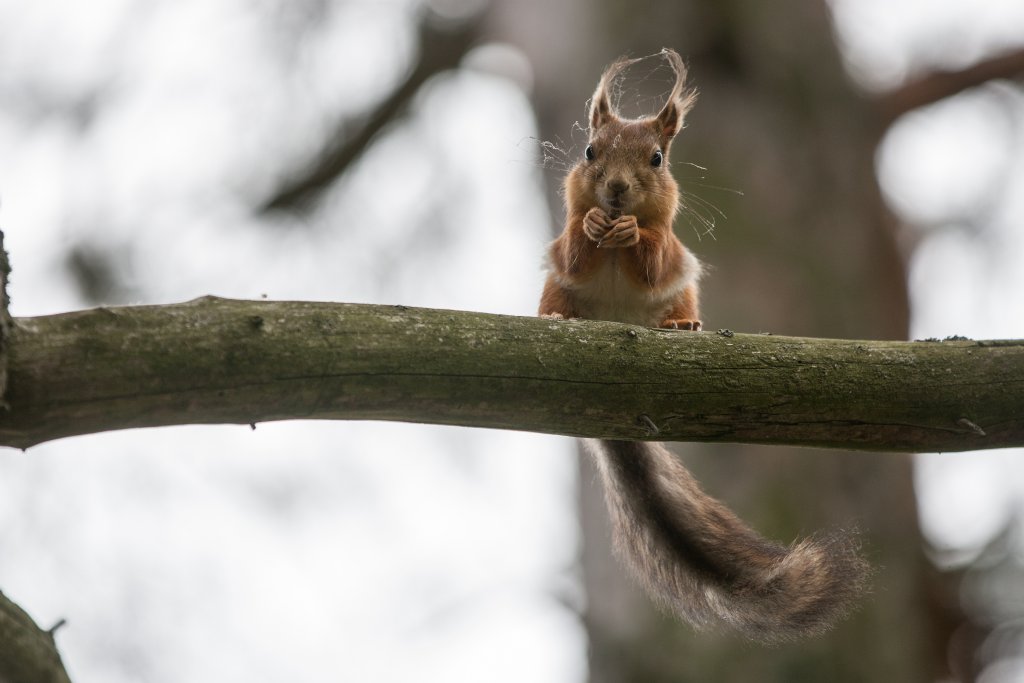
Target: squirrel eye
(657, 158)
(589, 152)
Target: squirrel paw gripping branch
(618, 259)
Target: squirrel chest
(609, 292)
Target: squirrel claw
(623, 232)
(555, 316)
(691, 325)
(596, 225)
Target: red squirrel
(618, 259)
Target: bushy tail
(703, 563)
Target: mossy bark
(27, 653)
(228, 361)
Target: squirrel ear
(601, 110)
(670, 119)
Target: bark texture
(216, 360)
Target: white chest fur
(610, 294)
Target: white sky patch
(1009, 670)
(199, 541)
(84, 40)
(964, 499)
(948, 160)
(884, 43)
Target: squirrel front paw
(622, 232)
(596, 224)
(693, 325)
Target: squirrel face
(625, 168)
(625, 165)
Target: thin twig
(939, 85)
(441, 48)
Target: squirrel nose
(618, 186)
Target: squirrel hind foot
(557, 316)
(691, 325)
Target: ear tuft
(601, 109)
(680, 100)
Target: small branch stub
(971, 426)
(28, 654)
(648, 424)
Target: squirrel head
(625, 165)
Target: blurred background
(854, 168)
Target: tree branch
(939, 85)
(5, 315)
(441, 48)
(27, 653)
(227, 361)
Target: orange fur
(618, 239)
